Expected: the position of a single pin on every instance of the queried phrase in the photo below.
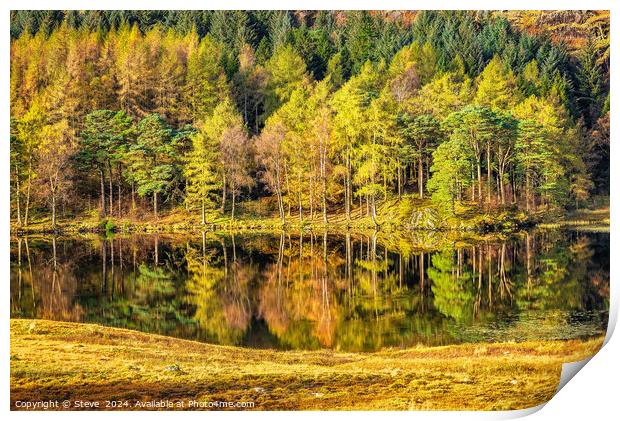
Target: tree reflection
(312, 290)
(219, 291)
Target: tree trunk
(223, 194)
(118, 199)
(420, 178)
(17, 197)
(288, 190)
(155, 204)
(232, 197)
(279, 194)
(488, 172)
(53, 205)
(280, 204)
(479, 182)
(204, 221)
(324, 199)
(348, 184)
(398, 187)
(299, 197)
(101, 178)
(133, 197)
(111, 189)
(27, 209)
(501, 185)
(311, 199)
(527, 190)
(374, 210)
(323, 170)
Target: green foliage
(106, 137)
(154, 159)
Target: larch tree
(496, 86)
(54, 155)
(201, 172)
(235, 150)
(350, 104)
(131, 70)
(286, 70)
(29, 137)
(451, 169)
(224, 117)
(321, 128)
(205, 85)
(270, 155)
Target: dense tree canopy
(322, 110)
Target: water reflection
(309, 290)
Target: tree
(286, 70)
(16, 168)
(321, 132)
(201, 172)
(444, 94)
(496, 86)
(476, 127)
(205, 84)
(249, 89)
(235, 149)
(270, 156)
(590, 83)
(372, 155)
(54, 154)
(154, 158)
(104, 141)
(423, 134)
(452, 164)
(215, 127)
(349, 104)
(505, 138)
(131, 70)
(554, 153)
(29, 137)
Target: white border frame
(592, 394)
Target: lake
(317, 290)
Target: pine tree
(154, 158)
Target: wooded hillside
(128, 111)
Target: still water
(309, 291)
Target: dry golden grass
(54, 360)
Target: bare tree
(56, 148)
(270, 156)
(236, 155)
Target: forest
(133, 114)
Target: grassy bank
(58, 361)
(408, 213)
(597, 219)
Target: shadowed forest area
(304, 115)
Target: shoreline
(103, 363)
(391, 219)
